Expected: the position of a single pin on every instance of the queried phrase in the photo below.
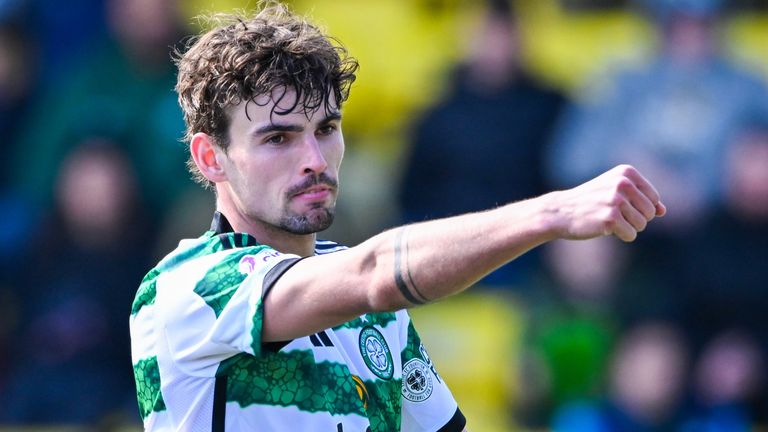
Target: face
(282, 170)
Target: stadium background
(94, 191)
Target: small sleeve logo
(417, 381)
(247, 264)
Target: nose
(313, 160)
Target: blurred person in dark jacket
(126, 81)
(482, 145)
(674, 116)
(71, 356)
(723, 274)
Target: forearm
(425, 262)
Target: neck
(266, 234)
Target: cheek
(335, 155)
(270, 180)
(253, 179)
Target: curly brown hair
(244, 57)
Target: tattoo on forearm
(403, 277)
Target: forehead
(284, 102)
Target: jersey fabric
(200, 365)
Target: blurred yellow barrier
(473, 338)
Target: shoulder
(212, 249)
(209, 257)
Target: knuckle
(609, 221)
(624, 184)
(616, 200)
(649, 213)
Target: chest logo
(417, 381)
(376, 353)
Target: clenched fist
(619, 202)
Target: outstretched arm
(425, 262)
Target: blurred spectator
(17, 223)
(647, 383)
(725, 262)
(723, 278)
(571, 328)
(124, 87)
(673, 118)
(726, 380)
(677, 120)
(71, 357)
(15, 82)
(482, 145)
(648, 378)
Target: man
(256, 325)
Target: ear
(204, 153)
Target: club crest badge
(417, 381)
(376, 353)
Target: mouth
(314, 193)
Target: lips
(315, 188)
(318, 192)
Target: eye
(275, 139)
(326, 129)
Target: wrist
(549, 218)
(538, 219)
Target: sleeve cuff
(269, 281)
(275, 273)
(457, 423)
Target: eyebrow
(272, 127)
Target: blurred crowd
(664, 334)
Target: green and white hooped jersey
(200, 366)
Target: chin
(315, 220)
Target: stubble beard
(315, 220)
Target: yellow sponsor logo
(362, 392)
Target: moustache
(320, 179)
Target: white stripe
(323, 242)
(325, 251)
(184, 245)
(143, 333)
(158, 421)
(196, 336)
(326, 246)
(290, 418)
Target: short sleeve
(428, 404)
(212, 306)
